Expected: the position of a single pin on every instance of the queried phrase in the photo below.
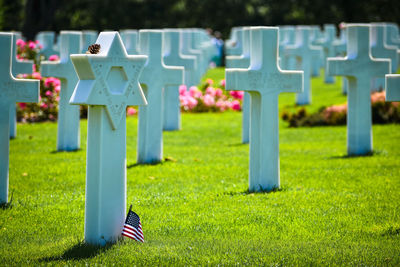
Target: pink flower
(48, 93)
(36, 75)
(54, 58)
(20, 43)
(37, 42)
(40, 46)
(218, 92)
(210, 81)
(131, 111)
(182, 89)
(58, 98)
(43, 105)
(57, 88)
(235, 105)
(22, 105)
(192, 102)
(221, 104)
(31, 45)
(208, 100)
(222, 83)
(237, 94)
(210, 91)
(195, 92)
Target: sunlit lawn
(195, 208)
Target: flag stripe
(134, 231)
(133, 236)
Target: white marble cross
(392, 87)
(304, 53)
(233, 46)
(264, 80)
(155, 77)
(46, 39)
(359, 68)
(130, 39)
(173, 57)
(287, 63)
(379, 49)
(68, 138)
(108, 83)
(195, 46)
(243, 62)
(11, 91)
(392, 34)
(340, 46)
(328, 48)
(318, 61)
(17, 67)
(88, 38)
(187, 50)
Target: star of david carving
(109, 78)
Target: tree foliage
(32, 16)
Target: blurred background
(32, 16)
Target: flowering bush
(28, 51)
(47, 108)
(209, 98)
(382, 112)
(206, 98)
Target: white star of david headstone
(108, 82)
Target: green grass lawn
(195, 208)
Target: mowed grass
(195, 208)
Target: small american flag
(133, 227)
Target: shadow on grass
(238, 144)
(7, 205)
(79, 251)
(370, 154)
(166, 160)
(65, 151)
(248, 192)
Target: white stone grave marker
(88, 38)
(392, 34)
(108, 83)
(264, 80)
(11, 91)
(392, 87)
(155, 77)
(318, 61)
(379, 49)
(17, 67)
(287, 63)
(130, 39)
(188, 50)
(68, 138)
(328, 48)
(233, 46)
(173, 57)
(304, 53)
(243, 62)
(46, 39)
(359, 68)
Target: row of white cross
(111, 80)
(307, 48)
